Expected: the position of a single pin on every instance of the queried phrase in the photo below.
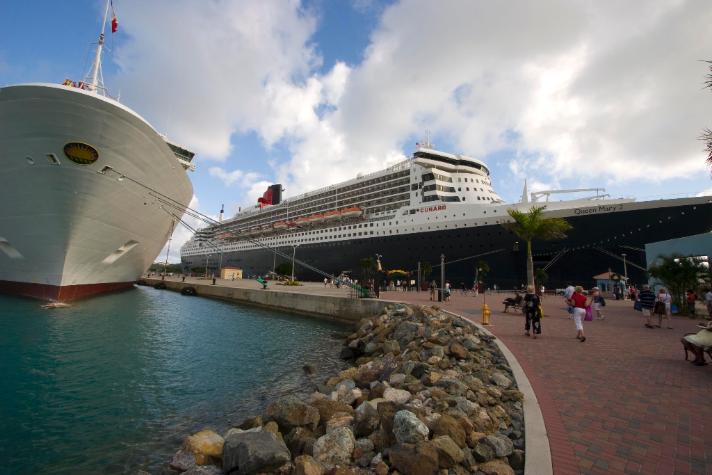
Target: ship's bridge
(448, 161)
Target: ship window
(52, 159)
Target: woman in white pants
(578, 302)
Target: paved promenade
(625, 401)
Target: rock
(290, 412)
(473, 438)
(182, 461)
(371, 347)
(367, 419)
(399, 396)
(300, 440)
(272, 427)
(391, 346)
(381, 468)
(458, 351)
(516, 460)
(348, 353)
(205, 446)
(500, 380)
(397, 378)
(483, 452)
(448, 425)
(419, 459)
(408, 429)
(306, 465)
(335, 448)
(252, 452)
(466, 406)
(449, 453)
(496, 467)
(204, 470)
(501, 444)
(340, 419)
(405, 332)
(472, 343)
(364, 445)
(419, 370)
(251, 422)
(327, 408)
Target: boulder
(300, 440)
(397, 378)
(182, 461)
(327, 408)
(205, 446)
(253, 452)
(391, 346)
(496, 467)
(471, 342)
(448, 425)
(516, 460)
(500, 380)
(306, 465)
(483, 452)
(290, 412)
(405, 332)
(408, 429)
(458, 351)
(251, 422)
(502, 445)
(449, 453)
(418, 459)
(340, 419)
(399, 396)
(335, 448)
(204, 470)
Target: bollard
(485, 314)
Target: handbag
(638, 306)
(541, 311)
(589, 314)
(659, 308)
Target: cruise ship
(437, 204)
(85, 186)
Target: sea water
(113, 384)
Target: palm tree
(533, 225)
(678, 274)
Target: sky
(564, 93)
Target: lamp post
(625, 274)
(294, 251)
(441, 296)
(207, 259)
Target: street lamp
(207, 259)
(294, 251)
(625, 274)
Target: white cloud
(236, 176)
(578, 91)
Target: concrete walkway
(625, 401)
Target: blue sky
(565, 93)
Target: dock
(309, 298)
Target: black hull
(587, 243)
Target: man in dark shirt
(647, 301)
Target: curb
(537, 458)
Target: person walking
(647, 302)
(578, 301)
(568, 293)
(708, 303)
(597, 302)
(532, 314)
(433, 288)
(691, 298)
(662, 307)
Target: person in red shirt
(578, 302)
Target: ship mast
(96, 67)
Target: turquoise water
(114, 383)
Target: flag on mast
(114, 20)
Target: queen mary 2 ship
(434, 204)
(85, 181)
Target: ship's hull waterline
(596, 232)
(69, 231)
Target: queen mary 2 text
(598, 209)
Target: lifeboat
(353, 212)
(316, 218)
(302, 220)
(331, 215)
(279, 225)
(291, 224)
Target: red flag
(114, 24)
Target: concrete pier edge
(536, 440)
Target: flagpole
(94, 82)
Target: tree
(425, 270)
(707, 133)
(678, 274)
(533, 225)
(482, 269)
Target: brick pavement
(625, 401)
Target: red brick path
(625, 401)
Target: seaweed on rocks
(426, 392)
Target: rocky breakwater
(428, 393)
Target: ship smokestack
(222, 211)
